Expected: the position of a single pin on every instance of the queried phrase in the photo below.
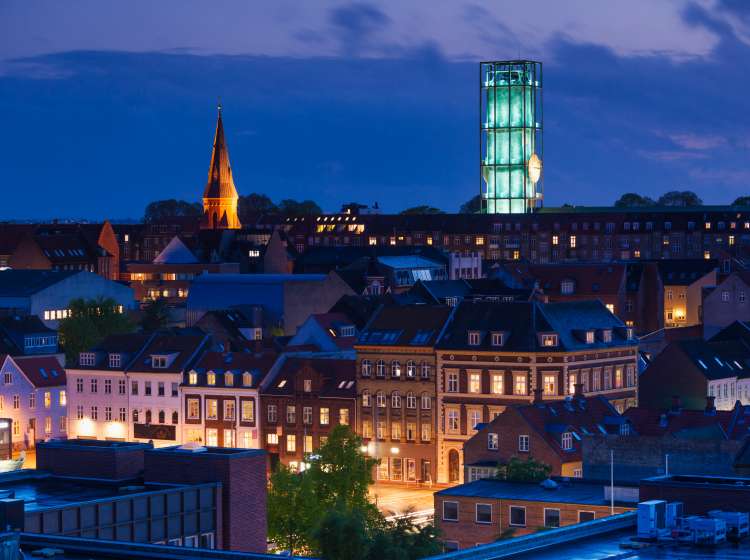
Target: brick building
(495, 355)
(302, 399)
(483, 511)
(396, 382)
(726, 303)
(551, 433)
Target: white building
(465, 266)
(33, 395)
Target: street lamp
(394, 450)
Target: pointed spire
(220, 183)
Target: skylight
(704, 366)
(282, 384)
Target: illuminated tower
(510, 122)
(220, 197)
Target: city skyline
(127, 119)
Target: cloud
(356, 26)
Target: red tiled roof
(41, 371)
(654, 422)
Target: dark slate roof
(338, 377)
(29, 324)
(588, 279)
(717, 359)
(683, 272)
(23, 283)
(568, 317)
(127, 345)
(185, 346)
(41, 371)
(570, 492)
(405, 325)
(235, 363)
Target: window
(87, 358)
(272, 439)
(426, 401)
(550, 384)
(396, 431)
(607, 333)
(493, 441)
(584, 516)
(395, 399)
(366, 429)
(291, 414)
(79, 385)
(517, 516)
(475, 417)
(567, 287)
(248, 411)
(193, 378)
(497, 339)
(344, 416)
(108, 413)
(307, 385)
(147, 388)
(549, 340)
(411, 400)
(48, 425)
(16, 401)
(381, 430)
(567, 441)
(523, 443)
(483, 513)
(79, 413)
(47, 399)
(411, 369)
(94, 385)
(395, 369)
(212, 409)
(211, 378)
(32, 400)
(63, 424)
(366, 368)
(453, 420)
(193, 409)
(291, 443)
(426, 432)
(630, 375)
(450, 511)
(325, 416)
(366, 400)
(475, 382)
(121, 386)
(426, 368)
(380, 368)
(380, 399)
(551, 517)
(519, 384)
(452, 382)
(307, 415)
(134, 388)
(94, 413)
(473, 338)
(107, 386)
(230, 410)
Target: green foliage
(520, 470)
(423, 209)
(631, 200)
(342, 535)
(471, 206)
(291, 207)
(89, 322)
(163, 209)
(291, 510)
(401, 539)
(679, 198)
(255, 203)
(155, 315)
(741, 201)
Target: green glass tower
(511, 136)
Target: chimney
(538, 397)
(710, 406)
(676, 404)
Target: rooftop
(22, 283)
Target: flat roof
(566, 492)
(202, 451)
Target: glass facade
(511, 136)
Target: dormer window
(307, 385)
(590, 337)
(211, 378)
(228, 379)
(348, 330)
(159, 362)
(115, 360)
(247, 379)
(607, 335)
(549, 340)
(473, 338)
(193, 378)
(567, 441)
(498, 339)
(629, 333)
(258, 334)
(87, 358)
(567, 287)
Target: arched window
(175, 418)
(426, 401)
(411, 400)
(395, 399)
(411, 369)
(228, 379)
(247, 379)
(135, 416)
(366, 368)
(426, 370)
(366, 401)
(380, 397)
(380, 368)
(148, 416)
(162, 417)
(395, 368)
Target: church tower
(220, 197)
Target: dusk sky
(108, 105)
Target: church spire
(220, 195)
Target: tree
(679, 198)
(163, 209)
(741, 201)
(255, 203)
(530, 470)
(291, 511)
(343, 535)
(402, 539)
(471, 206)
(291, 207)
(88, 323)
(631, 200)
(155, 315)
(423, 209)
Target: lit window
(228, 379)
(497, 383)
(475, 383)
(193, 378)
(555, 240)
(549, 340)
(211, 378)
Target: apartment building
(495, 355)
(396, 399)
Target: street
(392, 499)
